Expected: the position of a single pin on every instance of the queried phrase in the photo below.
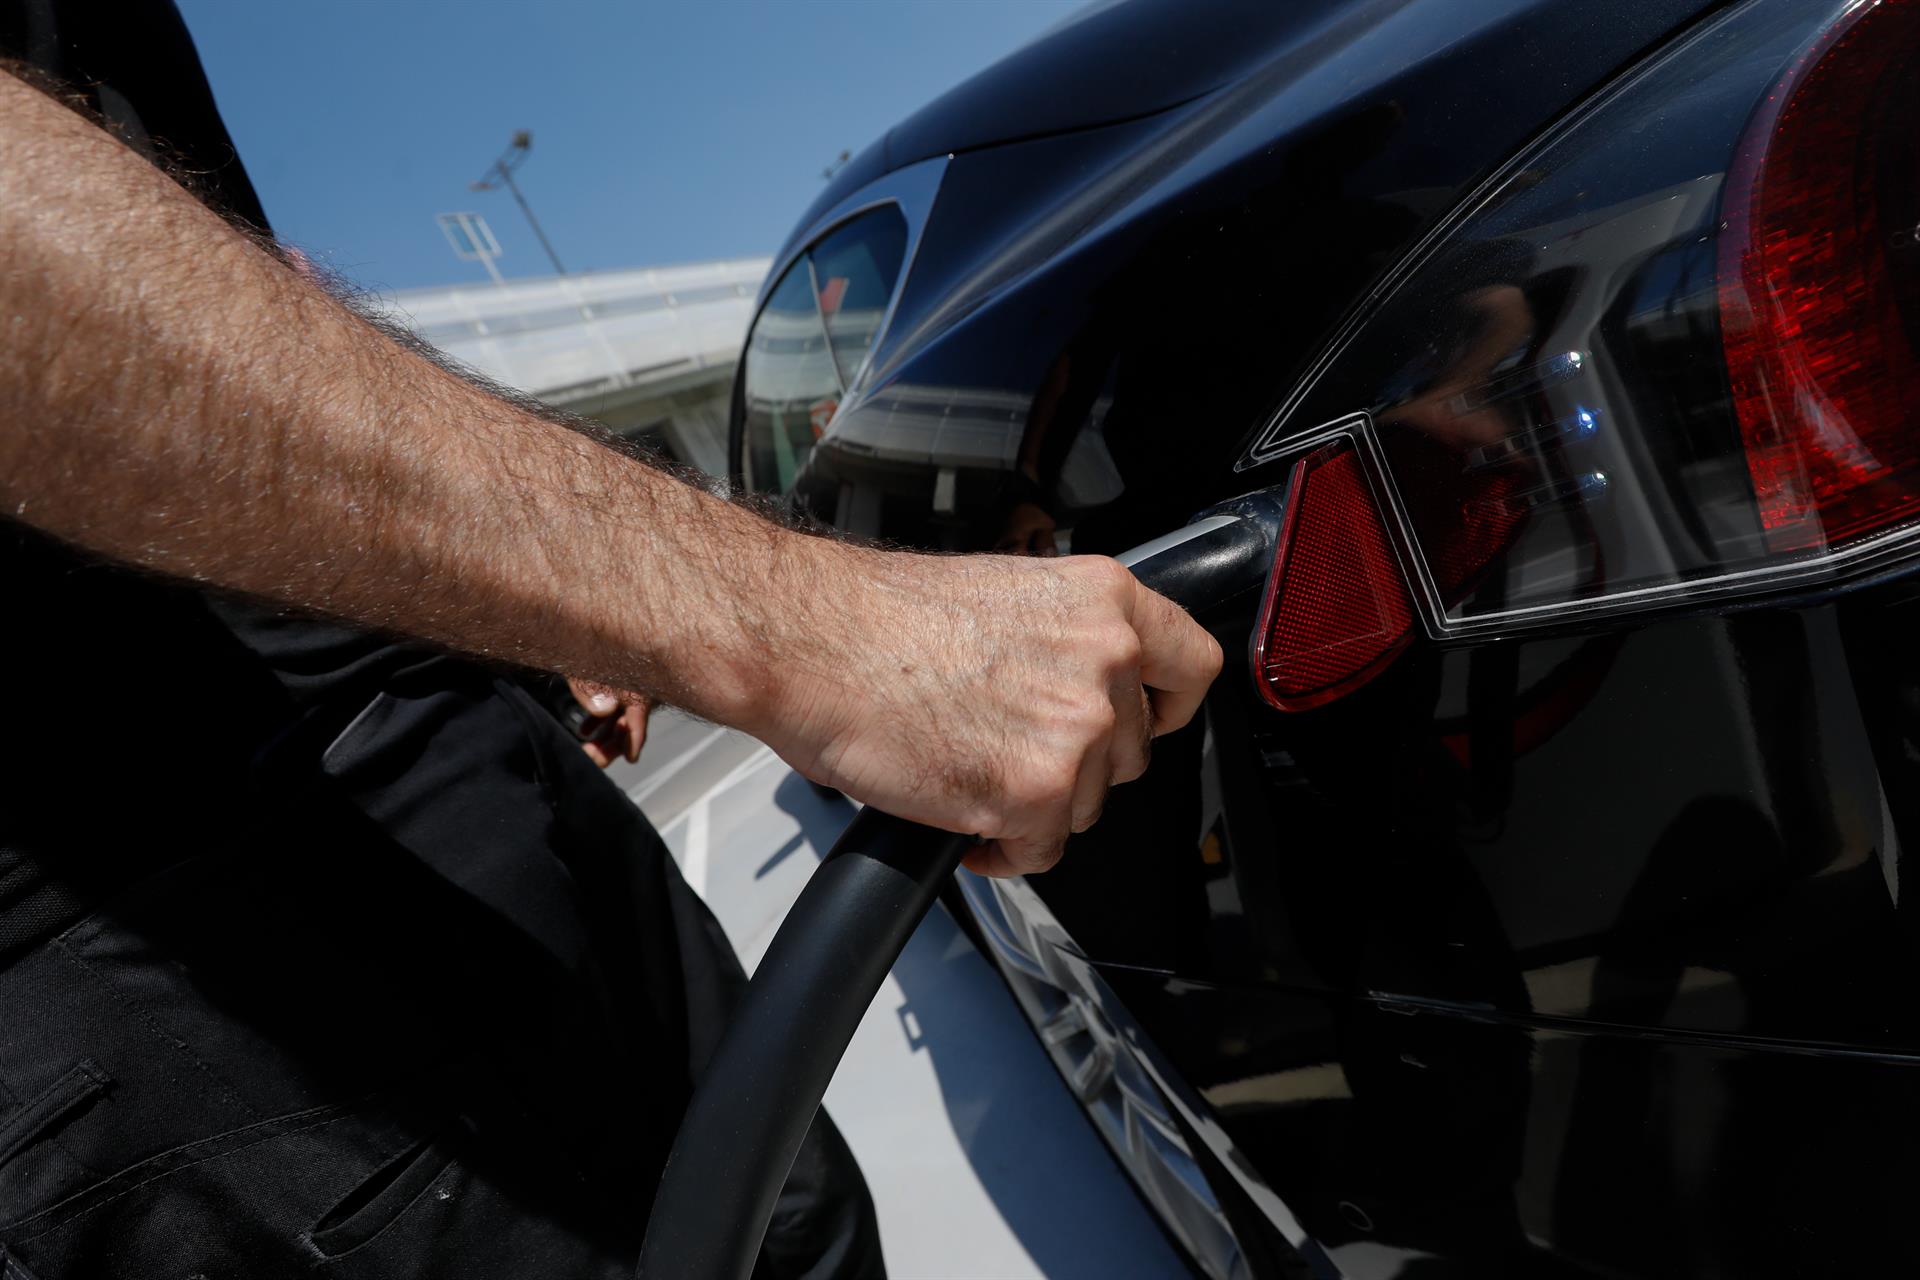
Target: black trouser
(438, 1015)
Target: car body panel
(1575, 951)
(1202, 253)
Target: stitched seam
(171, 1169)
(320, 1114)
(79, 1084)
(152, 1024)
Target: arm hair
(174, 395)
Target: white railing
(563, 338)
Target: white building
(650, 352)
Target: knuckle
(1104, 574)
(1111, 648)
(1130, 766)
(1041, 857)
(1097, 718)
(983, 820)
(1058, 781)
(1042, 789)
(1124, 649)
(1118, 580)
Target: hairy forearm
(173, 395)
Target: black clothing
(133, 63)
(320, 953)
(434, 1012)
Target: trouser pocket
(369, 1190)
(373, 1206)
(473, 1202)
(232, 1204)
(447, 1219)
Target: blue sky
(661, 132)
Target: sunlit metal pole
(509, 160)
(486, 260)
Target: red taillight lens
(1337, 609)
(1817, 287)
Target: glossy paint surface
(1590, 950)
(1577, 952)
(1161, 283)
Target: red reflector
(1337, 610)
(1817, 287)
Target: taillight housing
(1666, 355)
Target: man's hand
(173, 395)
(618, 727)
(991, 695)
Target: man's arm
(173, 395)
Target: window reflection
(810, 341)
(790, 377)
(856, 268)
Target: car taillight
(1336, 609)
(1817, 299)
(1666, 355)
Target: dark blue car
(1529, 899)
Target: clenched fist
(991, 695)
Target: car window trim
(912, 190)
